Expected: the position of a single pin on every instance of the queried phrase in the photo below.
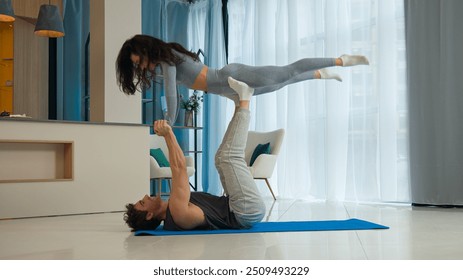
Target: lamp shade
(6, 11)
(49, 22)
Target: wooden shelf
(188, 127)
(36, 161)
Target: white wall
(111, 23)
(111, 163)
(111, 168)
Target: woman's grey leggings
(237, 181)
(265, 79)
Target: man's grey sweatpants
(237, 181)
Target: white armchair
(264, 164)
(164, 173)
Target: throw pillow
(159, 157)
(260, 149)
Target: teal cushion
(159, 157)
(260, 149)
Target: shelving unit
(153, 111)
(36, 161)
(195, 150)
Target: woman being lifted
(140, 55)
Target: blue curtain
(214, 121)
(71, 61)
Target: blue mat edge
(282, 226)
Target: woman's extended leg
(266, 79)
(317, 74)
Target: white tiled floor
(415, 233)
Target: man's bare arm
(180, 187)
(185, 214)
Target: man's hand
(162, 128)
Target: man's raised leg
(238, 183)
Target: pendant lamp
(6, 11)
(49, 22)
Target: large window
(344, 141)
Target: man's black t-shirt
(216, 212)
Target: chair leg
(159, 187)
(152, 185)
(159, 181)
(270, 188)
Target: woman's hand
(162, 128)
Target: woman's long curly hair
(151, 49)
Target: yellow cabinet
(6, 66)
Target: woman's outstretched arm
(169, 73)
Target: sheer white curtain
(344, 141)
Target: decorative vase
(188, 118)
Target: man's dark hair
(136, 219)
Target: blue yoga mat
(351, 224)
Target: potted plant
(191, 106)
